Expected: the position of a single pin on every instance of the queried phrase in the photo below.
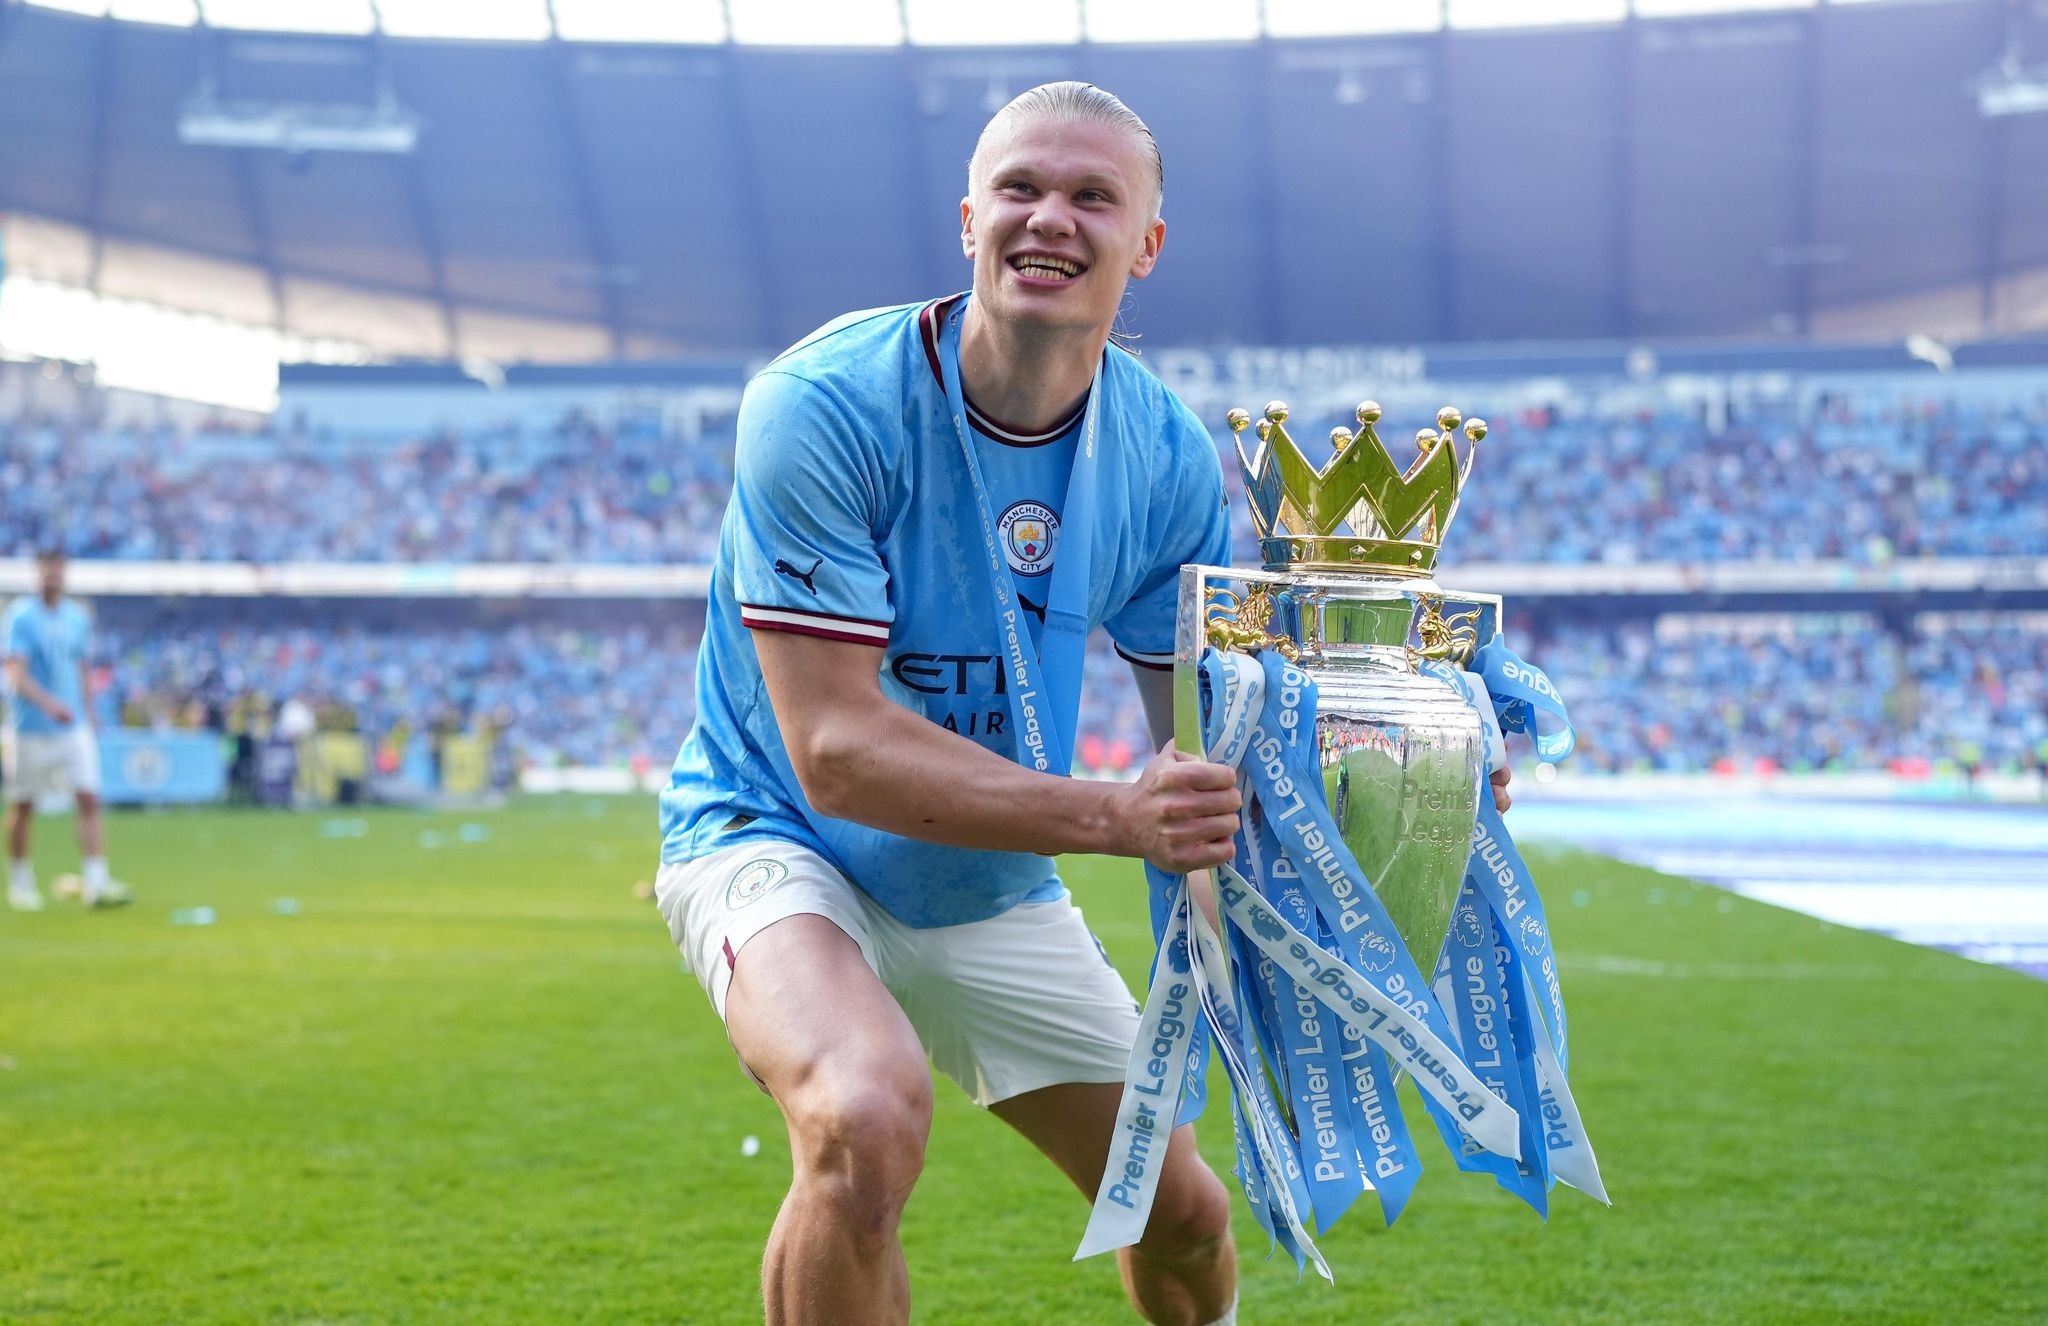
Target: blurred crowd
(577, 493)
(1806, 695)
(1832, 477)
(549, 695)
(1783, 693)
(1865, 476)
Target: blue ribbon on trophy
(1307, 984)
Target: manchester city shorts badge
(1028, 531)
(752, 880)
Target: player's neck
(1031, 378)
(51, 600)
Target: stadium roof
(1813, 170)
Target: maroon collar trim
(929, 319)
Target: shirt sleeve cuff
(1157, 662)
(824, 625)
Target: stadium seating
(1855, 474)
(1840, 476)
(558, 695)
(1684, 694)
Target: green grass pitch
(468, 1083)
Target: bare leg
(816, 1025)
(1184, 1271)
(92, 826)
(19, 814)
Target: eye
(1018, 186)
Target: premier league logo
(1375, 951)
(1470, 933)
(1177, 955)
(1028, 530)
(753, 880)
(1532, 936)
(1268, 925)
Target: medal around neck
(1377, 922)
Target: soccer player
(47, 742)
(933, 505)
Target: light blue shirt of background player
(52, 644)
(853, 518)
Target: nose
(1052, 217)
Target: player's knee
(1188, 1221)
(860, 1142)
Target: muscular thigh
(803, 999)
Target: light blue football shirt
(54, 642)
(853, 518)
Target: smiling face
(1062, 214)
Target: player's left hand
(1501, 800)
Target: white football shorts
(1021, 1001)
(34, 765)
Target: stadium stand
(1572, 483)
(1848, 469)
(1683, 692)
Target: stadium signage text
(1287, 371)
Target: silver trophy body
(1346, 594)
(1402, 754)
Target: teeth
(1053, 268)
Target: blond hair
(1074, 101)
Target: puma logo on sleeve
(783, 568)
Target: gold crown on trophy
(1396, 517)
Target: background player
(855, 862)
(48, 743)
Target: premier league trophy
(1378, 923)
(1401, 753)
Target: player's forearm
(31, 690)
(893, 770)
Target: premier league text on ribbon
(1143, 1128)
(1351, 694)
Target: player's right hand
(1181, 814)
(60, 714)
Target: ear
(967, 227)
(1148, 256)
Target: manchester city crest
(754, 879)
(1028, 530)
